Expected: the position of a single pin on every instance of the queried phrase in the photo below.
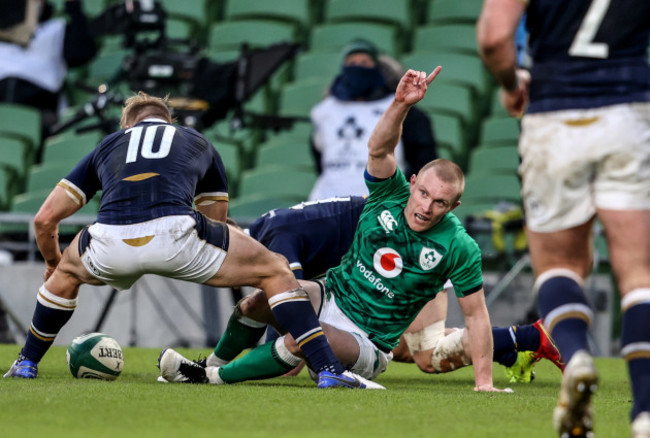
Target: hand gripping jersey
(588, 53)
(391, 271)
(313, 236)
(151, 170)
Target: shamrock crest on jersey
(429, 258)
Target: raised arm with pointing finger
(388, 131)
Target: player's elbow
(44, 222)
(492, 39)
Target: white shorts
(372, 361)
(575, 161)
(173, 246)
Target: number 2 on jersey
(147, 144)
(583, 43)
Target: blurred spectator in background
(33, 70)
(343, 121)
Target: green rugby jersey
(391, 271)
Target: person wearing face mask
(344, 120)
(33, 70)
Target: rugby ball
(95, 356)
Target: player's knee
(370, 361)
(277, 265)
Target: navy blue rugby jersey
(588, 53)
(313, 236)
(151, 170)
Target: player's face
(431, 198)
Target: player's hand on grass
(490, 388)
(294, 372)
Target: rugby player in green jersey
(405, 248)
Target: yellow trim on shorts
(581, 122)
(138, 241)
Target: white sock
(213, 375)
(215, 361)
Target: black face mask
(359, 83)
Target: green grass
(415, 404)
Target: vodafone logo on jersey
(387, 262)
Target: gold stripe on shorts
(138, 241)
(581, 122)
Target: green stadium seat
(231, 157)
(106, 66)
(46, 176)
(456, 68)
(299, 132)
(295, 154)
(228, 131)
(297, 98)
(499, 132)
(317, 65)
(15, 156)
(449, 134)
(71, 149)
(277, 180)
(22, 122)
(30, 202)
(334, 36)
(496, 108)
(91, 8)
(472, 208)
(492, 188)
(494, 160)
(454, 11)
(176, 28)
(457, 37)
(194, 12)
(230, 35)
(452, 99)
(245, 209)
(394, 13)
(6, 188)
(295, 12)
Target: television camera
(201, 90)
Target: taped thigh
(449, 353)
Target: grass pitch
(414, 405)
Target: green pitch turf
(414, 405)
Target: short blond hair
(139, 107)
(447, 171)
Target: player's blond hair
(141, 106)
(447, 171)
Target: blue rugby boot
(25, 369)
(346, 379)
